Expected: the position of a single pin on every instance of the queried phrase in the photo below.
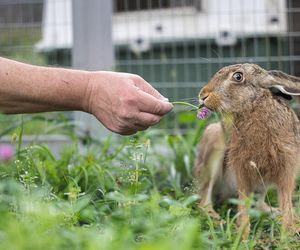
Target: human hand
(124, 103)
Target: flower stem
(186, 104)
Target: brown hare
(256, 145)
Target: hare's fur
(260, 147)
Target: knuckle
(137, 78)
(121, 129)
(157, 108)
(124, 114)
(117, 128)
(129, 101)
(155, 120)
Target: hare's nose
(202, 96)
(201, 101)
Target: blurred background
(176, 45)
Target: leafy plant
(120, 193)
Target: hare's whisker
(191, 109)
(188, 99)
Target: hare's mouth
(212, 102)
(203, 110)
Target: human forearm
(124, 103)
(27, 89)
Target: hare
(257, 143)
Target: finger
(133, 130)
(146, 119)
(149, 104)
(128, 132)
(148, 88)
(130, 127)
(140, 123)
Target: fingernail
(164, 99)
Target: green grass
(133, 193)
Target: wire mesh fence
(20, 29)
(176, 45)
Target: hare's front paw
(210, 211)
(264, 207)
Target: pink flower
(203, 113)
(6, 152)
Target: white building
(224, 21)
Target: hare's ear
(282, 84)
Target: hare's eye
(238, 76)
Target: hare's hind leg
(209, 165)
(206, 183)
(243, 220)
(289, 217)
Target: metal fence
(176, 45)
(20, 29)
